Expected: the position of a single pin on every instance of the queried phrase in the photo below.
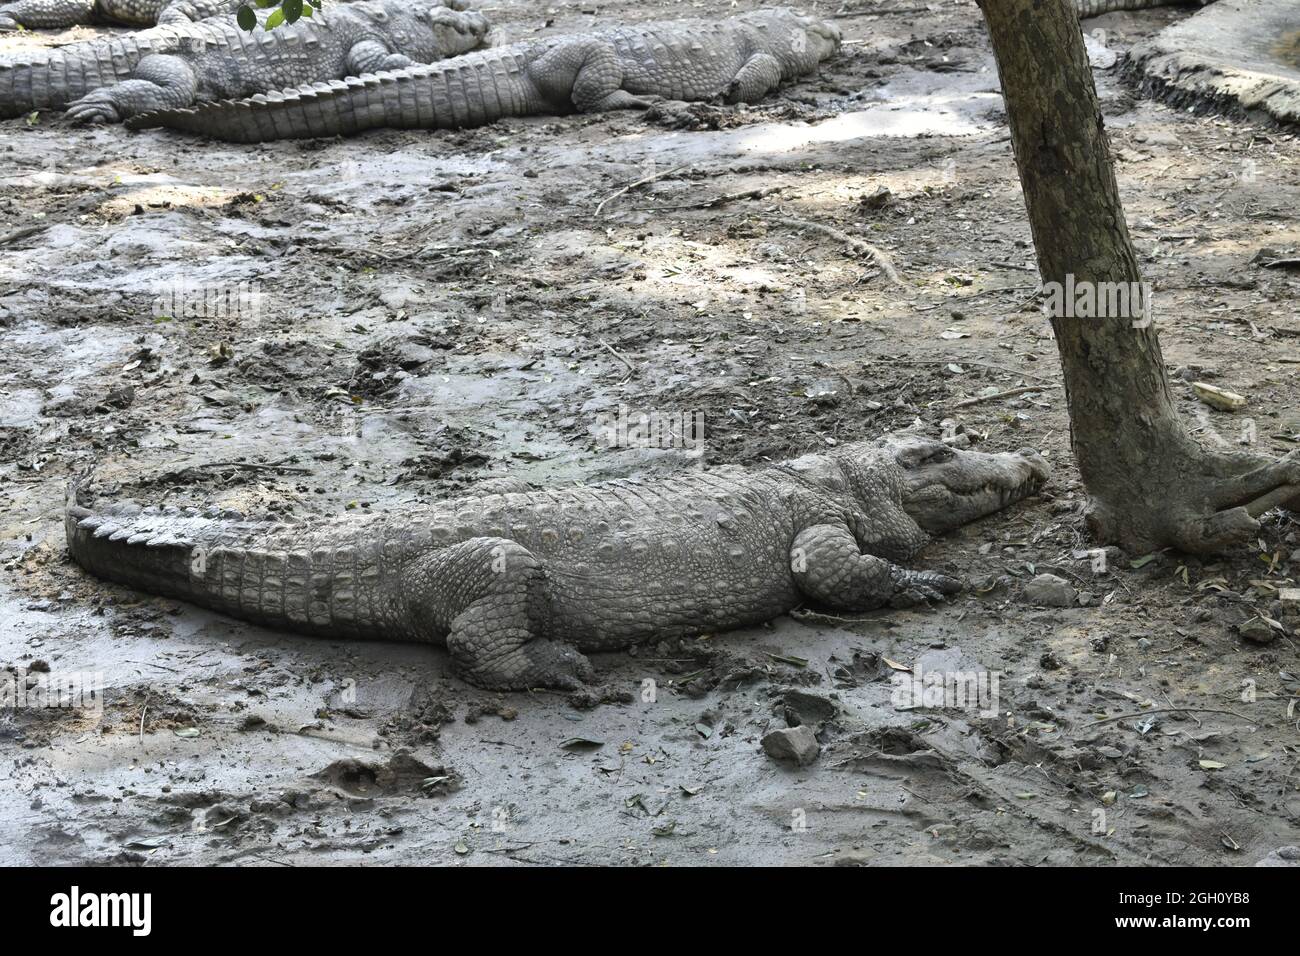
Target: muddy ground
(438, 309)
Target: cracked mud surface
(436, 310)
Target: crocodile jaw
(945, 488)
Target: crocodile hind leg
(159, 82)
(585, 73)
(830, 569)
(36, 14)
(760, 75)
(489, 594)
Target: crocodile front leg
(191, 11)
(36, 14)
(489, 595)
(159, 82)
(760, 75)
(830, 569)
(371, 56)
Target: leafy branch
(289, 11)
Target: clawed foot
(539, 663)
(93, 109)
(913, 588)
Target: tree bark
(1149, 483)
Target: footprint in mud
(400, 774)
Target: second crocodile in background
(111, 78)
(740, 59)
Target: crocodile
(56, 14)
(108, 79)
(741, 59)
(519, 584)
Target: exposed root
(858, 245)
(1214, 502)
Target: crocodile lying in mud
(519, 583)
(109, 79)
(741, 59)
(55, 14)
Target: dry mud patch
(436, 310)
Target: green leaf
(292, 10)
(246, 18)
(275, 19)
(307, 10)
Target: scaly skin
(37, 14)
(519, 583)
(111, 78)
(741, 59)
(1095, 8)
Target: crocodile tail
(52, 79)
(1095, 8)
(278, 575)
(154, 550)
(470, 90)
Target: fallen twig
(24, 232)
(251, 466)
(640, 182)
(1023, 389)
(852, 242)
(614, 352)
(716, 201)
(1166, 710)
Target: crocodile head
(798, 42)
(944, 487)
(426, 30)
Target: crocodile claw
(554, 664)
(93, 109)
(538, 663)
(921, 587)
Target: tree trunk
(1150, 485)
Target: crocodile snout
(945, 488)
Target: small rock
(1219, 398)
(1100, 57)
(797, 744)
(1049, 662)
(1282, 856)
(1257, 631)
(805, 709)
(879, 199)
(1048, 590)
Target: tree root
(1213, 502)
